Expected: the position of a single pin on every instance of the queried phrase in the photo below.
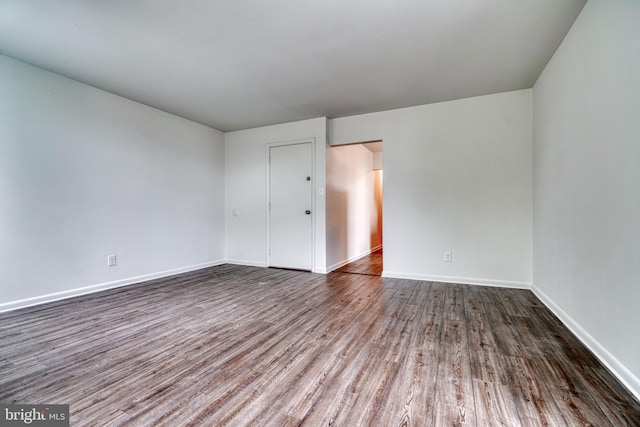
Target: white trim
(461, 280)
(42, 299)
(264, 265)
(246, 263)
(352, 259)
(617, 368)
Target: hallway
(370, 265)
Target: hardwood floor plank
(494, 405)
(454, 387)
(535, 404)
(372, 394)
(486, 362)
(415, 388)
(251, 346)
(504, 327)
(451, 415)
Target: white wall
(352, 205)
(587, 183)
(246, 191)
(457, 177)
(84, 173)
(377, 160)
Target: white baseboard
(453, 279)
(352, 259)
(264, 265)
(619, 370)
(42, 299)
(245, 262)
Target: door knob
(308, 212)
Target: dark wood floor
(371, 264)
(264, 347)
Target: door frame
(268, 147)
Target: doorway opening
(355, 208)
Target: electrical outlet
(111, 260)
(448, 256)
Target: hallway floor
(370, 265)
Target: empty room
(320, 213)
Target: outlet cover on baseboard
(448, 256)
(111, 260)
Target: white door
(290, 206)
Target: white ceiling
(374, 147)
(236, 64)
